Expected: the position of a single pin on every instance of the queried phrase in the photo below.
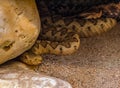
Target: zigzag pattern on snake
(111, 10)
(61, 35)
(73, 7)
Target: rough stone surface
(19, 27)
(18, 75)
(95, 65)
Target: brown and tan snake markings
(111, 10)
(61, 35)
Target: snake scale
(61, 35)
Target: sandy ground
(95, 65)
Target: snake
(73, 7)
(111, 10)
(60, 35)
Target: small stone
(17, 77)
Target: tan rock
(19, 27)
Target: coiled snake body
(61, 35)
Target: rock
(14, 76)
(19, 27)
